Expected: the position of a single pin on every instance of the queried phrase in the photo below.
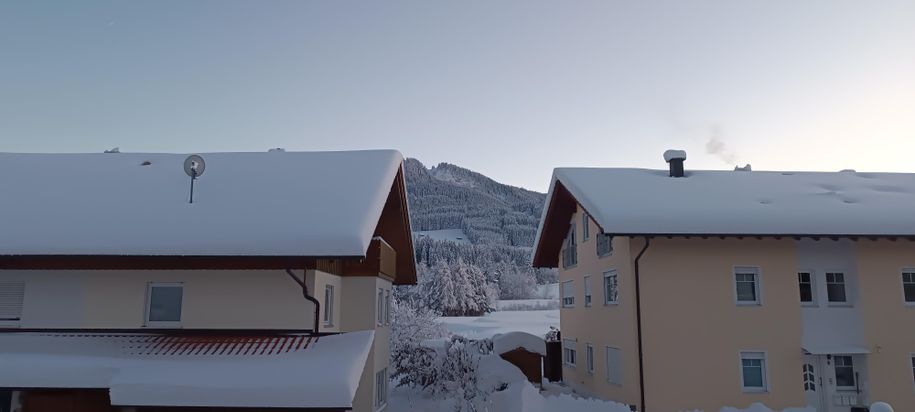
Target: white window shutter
(12, 295)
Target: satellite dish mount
(194, 167)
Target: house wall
(360, 317)
(601, 325)
(693, 330)
(243, 299)
(888, 321)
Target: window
(611, 288)
(845, 371)
(328, 305)
(568, 294)
(164, 304)
(614, 366)
(568, 352)
(835, 288)
(753, 372)
(746, 282)
(588, 290)
(908, 285)
(570, 252)
(585, 227)
(12, 294)
(604, 244)
(380, 307)
(913, 366)
(589, 353)
(805, 284)
(381, 388)
(387, 307)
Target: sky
(507, 88)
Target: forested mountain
(499, 223)
(450, 197)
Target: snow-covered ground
(453, 235)
(527, 304)
(536, 322)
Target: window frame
(589, 358)
(754, 354)
(562, 294)
(585, 227)
(835, 372)
(381, 389)
(586, 284)
(569, 352)
(614, 378)
(614, 274)
(379, 307)
(328, 305)
(912, 367)
(902, 273)
(387, 306)
(848, 299)
(814, 302)
(598, 242)
(17, 321)
(162, 323)
(757, 272)
(570, 247)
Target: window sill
(840, 305)
(809, 305)
(162, 325)
(611, 303)
(752, 390)
(751, 304)
(568, 306)
(909, 304)
(10, 323)
(601, 256)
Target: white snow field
(534, 322)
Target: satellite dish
(194, 166)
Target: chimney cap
(674, 155)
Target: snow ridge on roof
(643, 201)
(247, 204)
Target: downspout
(307, 296)
(638, 323)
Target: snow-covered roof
(646, 202)
(507, 342)
(245, 204)
(322, 374)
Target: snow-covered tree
(414, 364)
(515, 284)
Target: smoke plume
(716, 146)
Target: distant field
(535, 322)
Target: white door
(813, 384)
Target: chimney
(674, 159)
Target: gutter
(307, 296)
(638, 323)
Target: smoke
(716, 146)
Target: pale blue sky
(508, 88)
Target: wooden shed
(523, 350)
